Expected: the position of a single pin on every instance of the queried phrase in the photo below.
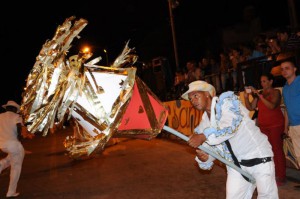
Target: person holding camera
(270, 120)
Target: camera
(248, 90)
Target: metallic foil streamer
(93, 98)
(51, 80)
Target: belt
(255, 161)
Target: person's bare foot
(13, 195)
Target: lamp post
(173, 4)
(292, 14)
(104, 50)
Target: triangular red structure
(135, 109)
(144, 116)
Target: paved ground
(132, 169)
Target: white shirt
(8, 126)
(230, 121)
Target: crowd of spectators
(242, 64)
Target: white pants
(14, 159)
(264, 174)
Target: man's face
(287, 70)
(283, 37)
(198, 99)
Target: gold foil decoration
(92, 98)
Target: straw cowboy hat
(12, 103)
(199, 86)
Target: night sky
(146, 24)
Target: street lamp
(104, 50)
(86, 49)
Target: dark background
(145, 24)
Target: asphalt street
(161, 168)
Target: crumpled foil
(52, 84)
(92, 98)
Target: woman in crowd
(270, 120)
